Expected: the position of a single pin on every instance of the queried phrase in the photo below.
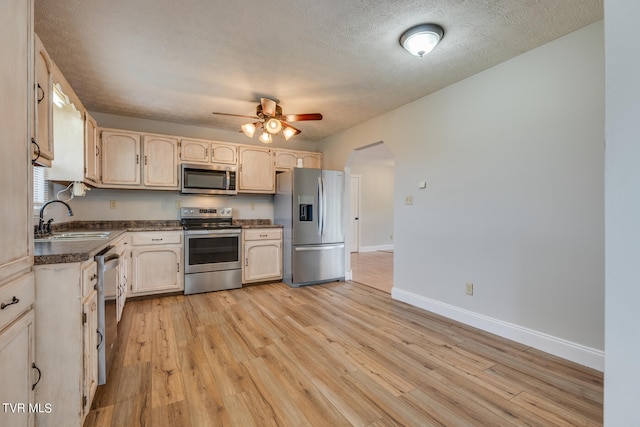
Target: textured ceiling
(179, 60)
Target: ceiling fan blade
(268, 107)
(236, 115)
(302, 117)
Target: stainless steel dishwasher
(107, 261)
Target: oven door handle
(213, 233)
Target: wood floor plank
(340, 353)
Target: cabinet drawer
(156, 238)
(263, 234)
(15, 298)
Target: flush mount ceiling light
(421, 39)
(270, 119)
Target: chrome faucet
(46, 228)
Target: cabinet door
(90, 345)
(286, 159)
(91, 149)
(224, 153)
(160, 161)
(192, 151)
(262, 260)
(16, 110)
(120, 158)
(311, 160)
(44, 103)
(156, 269)
(16, 371)
(257, 172)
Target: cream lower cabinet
(262, 250)
(66, 341)
(156, 262)
(17, 367)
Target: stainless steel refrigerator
(309, 204)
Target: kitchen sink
(74, 235)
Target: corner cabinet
(134, 160)
(256, 170)
(262, 248)
(156, 262)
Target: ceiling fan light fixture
(288, 132)
(266, 138)
(421, 39)
(249, 129)
(273, 126)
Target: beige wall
(513, 158)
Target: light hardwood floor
(373, 269)
(338, 354)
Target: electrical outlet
(112, 204)
(469, 289)
(178, 204)
(408, 200)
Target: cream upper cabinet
(16, 114)
(120, 158)
(44, 105)
(256, 170)
(206, 152)
(135, 160)
(288, 159)
(91, 149)
(262, 250)
(160, 164)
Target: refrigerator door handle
(320, 207)
(324, 206)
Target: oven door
(211, 250)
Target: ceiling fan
(269, 117)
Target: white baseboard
(376, 248)
(577, 353)
(348, 275)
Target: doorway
(371, 196)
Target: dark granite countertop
(65, 251)
(62, 252)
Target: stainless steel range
(212, 248)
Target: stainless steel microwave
(208, 179)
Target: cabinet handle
(263, 235)
(33, 366)
(145, 160)
(33, 161)
(137, 159)
(14, 300)
(206, 153)
(178, 267)
(156, 240)
(246, 262)
(101, 338)
(97, 151)
(94, 277)
(40, 97)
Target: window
(40, 187)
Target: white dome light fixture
(421, 39)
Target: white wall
(513, 159)
(622, 379)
